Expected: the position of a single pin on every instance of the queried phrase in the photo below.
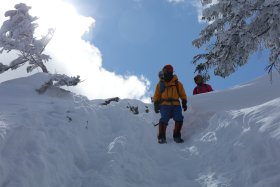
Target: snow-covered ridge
(232, 138)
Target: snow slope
(59, 139)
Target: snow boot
(177, 132)
(161, 133)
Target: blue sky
(126, 44)
(140, 37)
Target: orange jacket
(170, 95)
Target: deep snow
(59, 139)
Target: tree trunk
(44, 69)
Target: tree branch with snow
(59, 80)
(236, 29)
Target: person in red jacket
(201, 86)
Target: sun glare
(72, 55)
(69, 28)
(63, 17)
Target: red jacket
(202, 89)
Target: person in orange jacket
(166, 99)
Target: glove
(184, 105)
(156, 107)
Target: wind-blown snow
(59, 139)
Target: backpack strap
(161, 86)
(177, 87)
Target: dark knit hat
(168, 68)
(198, 79)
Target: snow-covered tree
(235, 30)
(17, 34)
(59, 80)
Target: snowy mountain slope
(62, 139)
(239, 142)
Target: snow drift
(232, 138)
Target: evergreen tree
(237, 29)
(17, 34)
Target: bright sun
(63, 17)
